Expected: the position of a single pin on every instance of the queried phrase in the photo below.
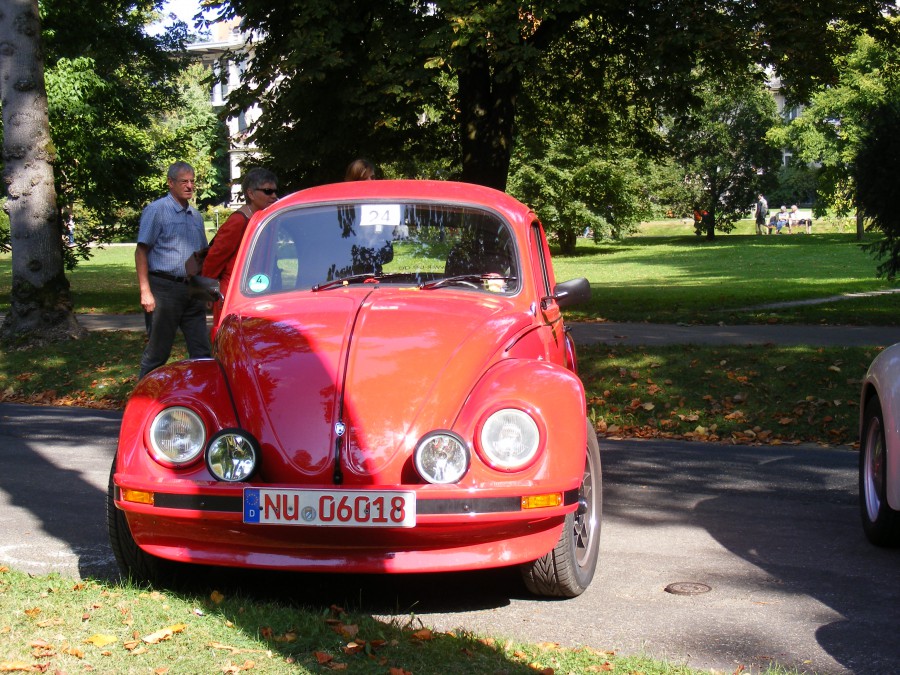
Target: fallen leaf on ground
(100, 640)
(164, 634)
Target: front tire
(567, 570)
(133, 562)
(880, 522)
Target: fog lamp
(232, 455)
(442, 457)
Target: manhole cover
(687, 588)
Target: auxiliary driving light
(232, 455)
(442, 457)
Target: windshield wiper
(471, 280)
(355, 279)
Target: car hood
(386, 365)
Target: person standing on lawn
(170, 231)
(259, 187)
(762, 210)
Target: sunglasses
(267, 191)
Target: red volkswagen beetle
(392, 390)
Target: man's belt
(170, 277)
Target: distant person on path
(360, 169)
(259, 187)
(762, 211)
(170, 231)
(70, 228)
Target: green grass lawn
(55, 625)
(665, 279)
(692, 280)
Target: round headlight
(232, 455)
(442, 457)
(177, 436)
(510, 439)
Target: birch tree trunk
(41, 300)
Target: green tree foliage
(673, 192)
(876, 169)
(576, 188)
(722, 147)
(107, 82)
(393, 79)
(828, 131)
(194, 133)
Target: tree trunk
(860, 226)
(487, 115)
(568, 240)
(710, 224)
(41, 308)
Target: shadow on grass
(363, 621)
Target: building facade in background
(226, 54)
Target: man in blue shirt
(170, 231)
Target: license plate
(330, 508)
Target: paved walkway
(649, 333)
(777, 334)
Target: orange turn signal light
(542, 501)
(136, 496)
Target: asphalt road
(594, 332)
(772, 531)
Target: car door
(551, 320)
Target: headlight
(177, 436)
(232, 455)
(442, 457)
(510, 439)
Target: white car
(879, 449)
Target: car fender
(197, 384)
(553, 396)
(883, 378)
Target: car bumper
(453, 532)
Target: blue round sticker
(259, 283)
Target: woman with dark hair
(360, 169)
(259, 187)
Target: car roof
(415, 190)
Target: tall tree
(722, 147)
(98, 80)
(41, 301)
(578, 188)
(108, 82)
(876, 167)
(829, 130)
(390, 78)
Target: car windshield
(433, 246)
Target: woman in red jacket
(259, 187)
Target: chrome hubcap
(584, 525)
(873, 468)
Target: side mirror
(572, 292)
